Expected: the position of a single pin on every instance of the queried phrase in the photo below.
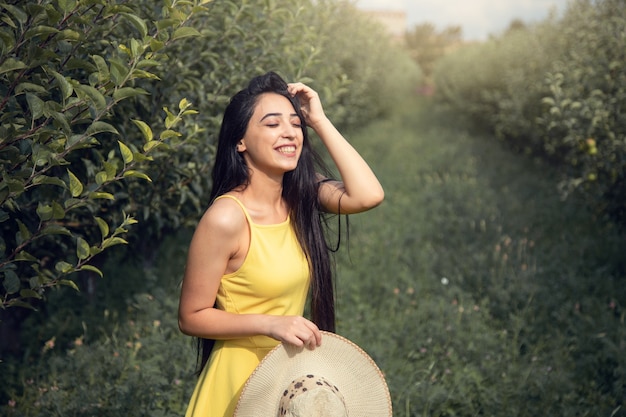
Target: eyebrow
(276, 114)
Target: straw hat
(336, 379)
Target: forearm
(213, 323)
(362, 188)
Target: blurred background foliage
(556, 91)
(477, 288)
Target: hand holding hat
(336, 379)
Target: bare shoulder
(223, 218)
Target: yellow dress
(274, 279)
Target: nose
(290, 131)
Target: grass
(474, 286)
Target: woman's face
(273, 140)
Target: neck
(263, 198)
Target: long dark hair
(300, 192)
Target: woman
(260, 244)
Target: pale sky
(477, 18)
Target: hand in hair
(310, 103)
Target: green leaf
(138, 174)
(137, 73)
(35, 104)
(89, 93)
(136, 48)
(44, 179)
(145, 130)
(104, 227)
(101, 195)
(151, 145)
(185, 32)
(140, 157)
(11, 282)
(103, 69)
(127, 154)
(44, 212)
(71, 35)
(101, 177)
(127, 92)
(64, 85)
(168, 134)
(28, 293)
(64, 267)
(119, 71)
(94, 250)
(26, 86)
(61, 119)
(156, 45)
(112, 241)
(82, 248)
(7, 37)
(170, 118)
(15, 186)
(40, 30)
(166, 23)
(137, 22)
(55, 229)
(17, 13)
(92, 269)
(183, 104)
(100, 127)
(23, 234)
(76, 187)
(58, 212)
(66, 5)
(25, 256)
(109, 168)
(17, 302)
(69, 283)
(72, 203)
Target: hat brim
(338, 360)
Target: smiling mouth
(287, 149)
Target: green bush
(584, 116)
(68, 164)
(555, 90)
(120, 353)
(360, 72)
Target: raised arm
(359, 189)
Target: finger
(310, 342)
(316, 335)
(295, 88)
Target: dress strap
(245, 212)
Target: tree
(66, 67)
(426, 45)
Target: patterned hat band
(312, 396)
